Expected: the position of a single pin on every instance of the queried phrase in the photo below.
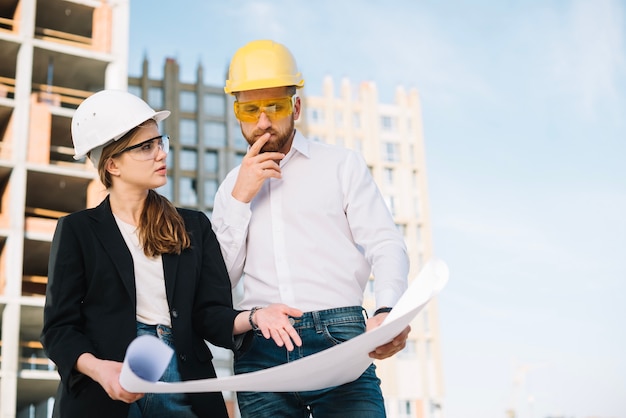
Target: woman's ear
(111, 167)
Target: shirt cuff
(386, 298)
(238, 213)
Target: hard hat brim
(157, 116)
(236, 87)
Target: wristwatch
(384, 309)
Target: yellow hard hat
(260, 65)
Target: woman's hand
(107, 374)
(273, 321)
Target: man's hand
(273, 321)
(392, 347)
(255, 168)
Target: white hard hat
(106, 116)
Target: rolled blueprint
(147, 357)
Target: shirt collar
(300, 145)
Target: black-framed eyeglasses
(148, 149)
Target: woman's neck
(127, 206)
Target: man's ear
(296, 108)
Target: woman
(136, 265)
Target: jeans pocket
(246, 344)
(337, 333)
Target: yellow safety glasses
(274, 109)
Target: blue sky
(523, 105)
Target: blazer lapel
(107, 231)
(170, 267)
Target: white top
(311, 239)
(152, 307)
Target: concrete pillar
(116, 76)
(40, 128)
(14, 247)
(102, 28)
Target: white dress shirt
(311, 239)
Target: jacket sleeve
(62, 336)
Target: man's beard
(273, 144)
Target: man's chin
(270, 148)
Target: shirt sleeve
(375, 232)
(230, 222)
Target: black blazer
(90, 307)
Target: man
(304, 225)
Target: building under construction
(53, 54)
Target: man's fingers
(255, 148)
(394, 346)
(405, 333)
(385, 351)
(270, 166)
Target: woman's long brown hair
(161, 228)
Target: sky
(524, 106)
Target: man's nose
(264, 121)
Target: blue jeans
(162, 405)
(319, 330)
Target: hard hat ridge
(262, 64)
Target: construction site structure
(53, 54)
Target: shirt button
(174, 313)
(183, 357)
